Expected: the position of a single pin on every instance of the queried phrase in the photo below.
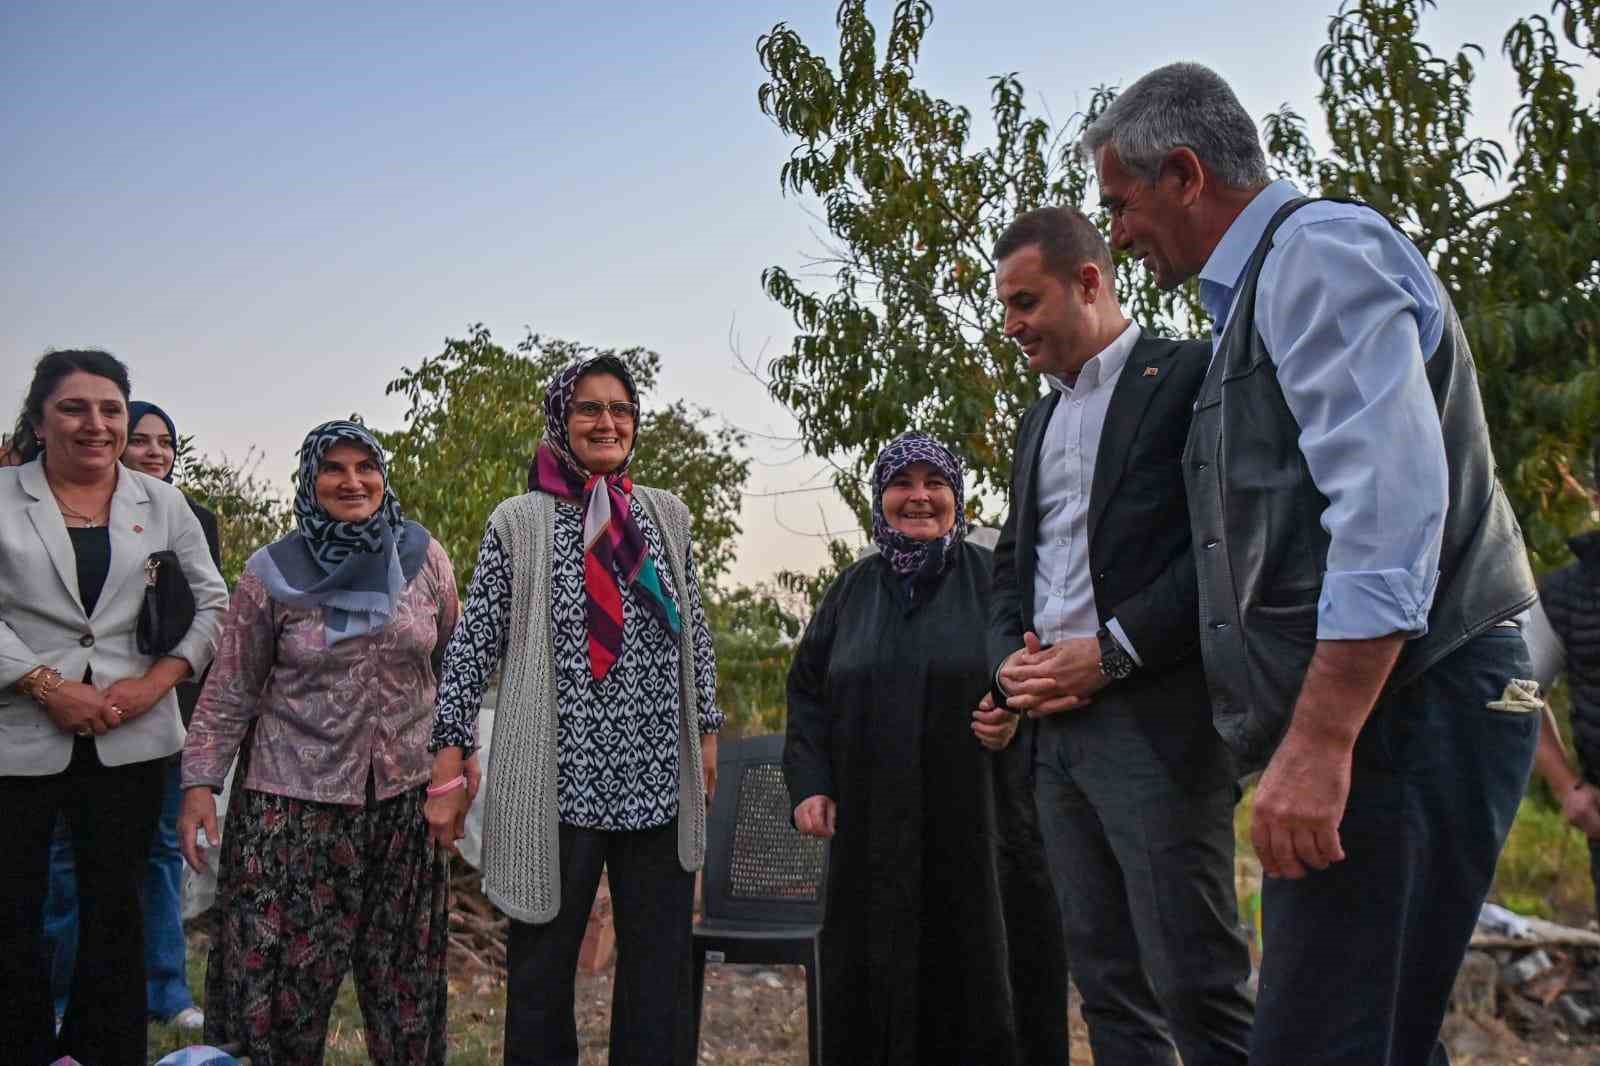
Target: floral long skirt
(308, 892)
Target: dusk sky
(268, 209)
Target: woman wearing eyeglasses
(585, 597)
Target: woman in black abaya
(941, 942)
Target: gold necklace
(89, 521)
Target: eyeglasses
(590, 410)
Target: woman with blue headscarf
(331, 649)
(941, 941)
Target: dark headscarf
(920, 562)
(612, 540)
(137, 409)
(354, 571)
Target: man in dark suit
(1094, 632)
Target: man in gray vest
(1360, 572)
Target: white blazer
(43, 623)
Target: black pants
(1144, 871)
(652, 905)
(112, 813)
(1360, 958)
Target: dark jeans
(652, 906)
(112, 812)
(1360, 957)
(1143, 868)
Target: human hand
(474, 777)
(1581, 806)
(993, 726)
(134, 696)
(816, 816)
(199, 811)
(446, 813)
(1299, 805)
(1047, 680)
(708, 764)
(81, 709)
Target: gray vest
(521, 862)
(1260, 549)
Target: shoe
(189, 1018)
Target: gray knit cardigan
(521, 867)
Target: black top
(92, 547)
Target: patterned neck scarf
(921, 562)
(615, 553)
(354, 571)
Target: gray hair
(1181, 105)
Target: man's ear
(1184, 169)
(1092, 280)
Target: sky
(267, 210)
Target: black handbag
(168, 609)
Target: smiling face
(920, 502)
(84, 425)
(601, 441)
(349, 483)
(1050, 318)
(151, 449)
(1148, 218)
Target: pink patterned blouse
(327, 716)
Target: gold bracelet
(41, 688)
(28, 682)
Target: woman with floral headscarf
(585, 598)
(331, 650)
(941, 941)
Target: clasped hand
(1042, 680)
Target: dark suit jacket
(1139, 552)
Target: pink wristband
(460, 781)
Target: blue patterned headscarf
(354, 571)
(921, 561)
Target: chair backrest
(759, 868)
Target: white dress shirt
(1063, 584)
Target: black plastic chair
(763, 886)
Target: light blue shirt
(1350, 312)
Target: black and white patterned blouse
(617, 738)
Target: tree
(250, 513)
(476, 417)
(908, 333)
(755, 634)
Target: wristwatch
(1115, 662)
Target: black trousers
(1144, 871)
(112, 812)
(652, 906)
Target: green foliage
(250, 512)
(1544, 869)
(908, 335)
(1520, 263)
(475, 419)
(755, 635)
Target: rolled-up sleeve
(245, 656)
(1350, 313)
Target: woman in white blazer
(86, 719)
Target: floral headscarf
(615, 551)
(921, 561)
